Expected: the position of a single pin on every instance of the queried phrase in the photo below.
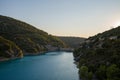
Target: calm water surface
(51, 66)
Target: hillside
(28, 38)
(9, 50)
(72, 42)
(99, 56)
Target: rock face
(9, 50)
(28, 38)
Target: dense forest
(99, 56)
(25, 36)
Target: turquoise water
(51, 66)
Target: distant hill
(72, 42)
(28, 38)
(100, 56)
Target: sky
(82, 18)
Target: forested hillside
(72, 42)
(99, 56)
(28, 38)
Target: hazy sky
(65, 17)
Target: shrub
(83, 72)
(101, 72)
(113, 72)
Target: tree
(84, 72)
(113, 72)
(101, 72)
(90, 75)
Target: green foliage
(101, 72)
(91, 67)
(72, 42)
(26, 36)
(101, 55)
(82, 61)
(8, 49)
(56, 41)
(84, 72)
(76, 52)
(113, 72)
(90, 75)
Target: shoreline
(2, 59)
(41, 53)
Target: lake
(50, 66)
